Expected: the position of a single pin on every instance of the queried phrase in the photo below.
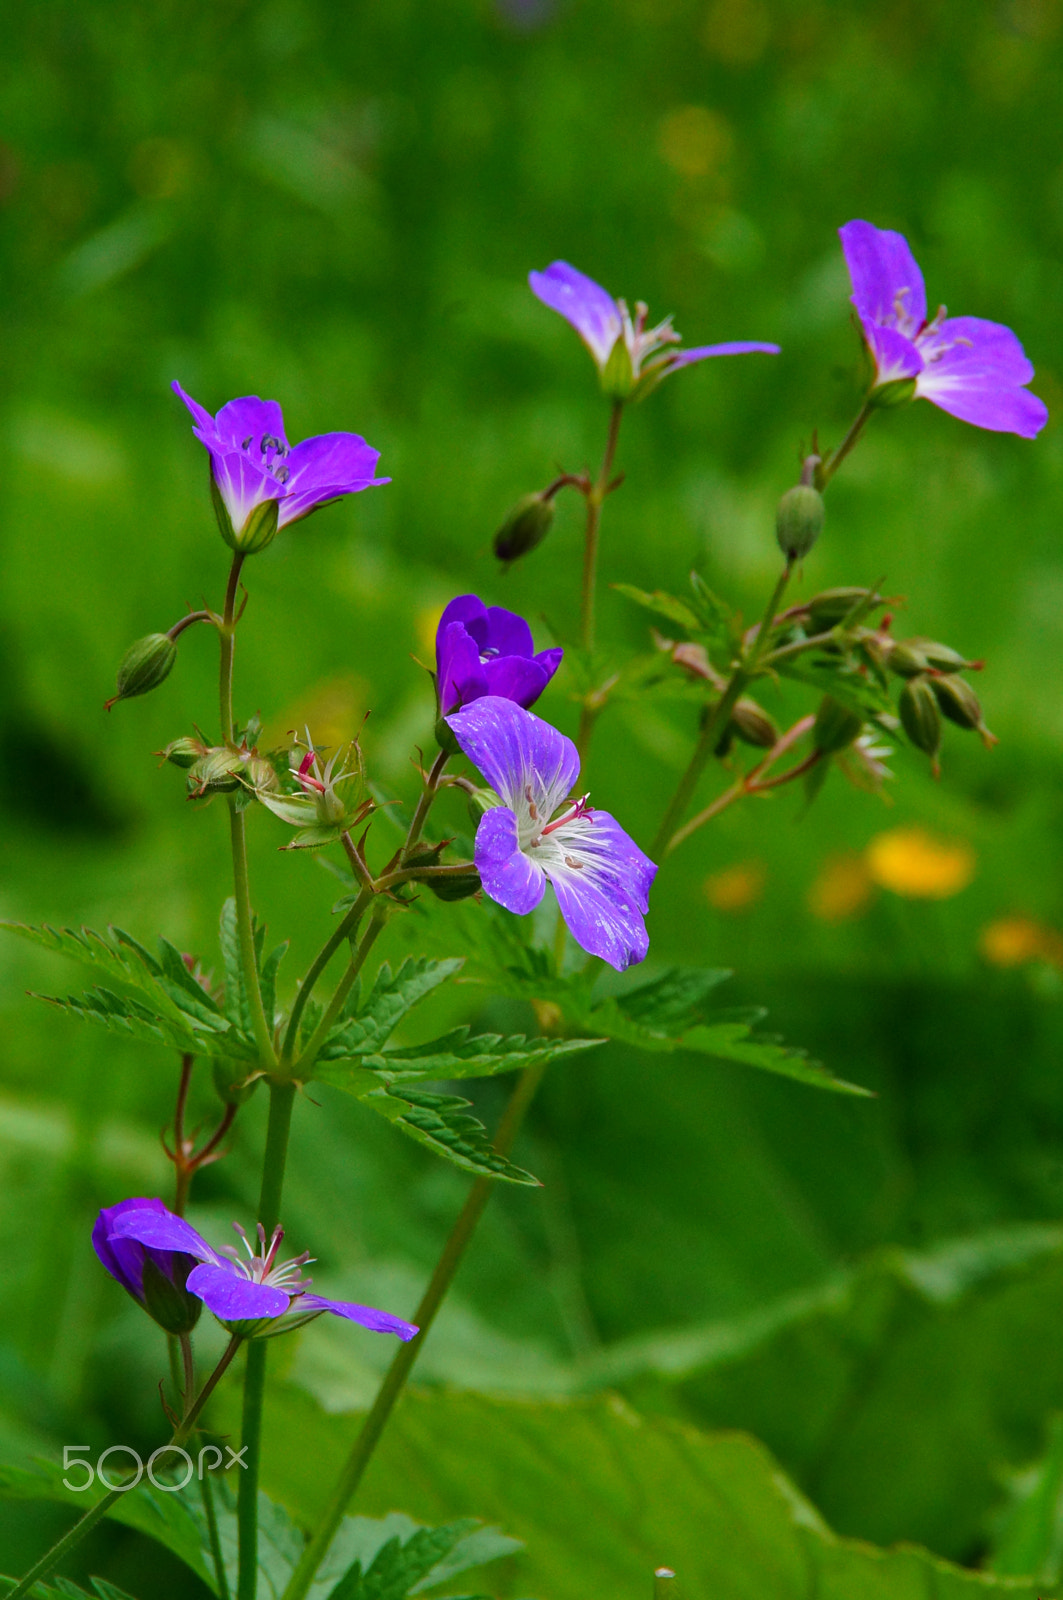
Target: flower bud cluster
(932, 690)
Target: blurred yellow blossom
(737, 31)
(426, 622)
(694, 140)
(842, 888)
(912, 863)
(1014, 941)
(333, 710)
(736, 888)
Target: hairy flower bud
(831, 606)
(218, 772)
(921, 718)
(799, 520)
(184, 752)
(144, 666)
(525, 526)
(835, 727)
(958, 701)
(751, 724)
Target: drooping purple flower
(600, 876)
(252, 462)
(250, 1288)
(603, 323)
(484, 650)
(974, 369)
(155, 1277)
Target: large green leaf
(442, 1123)
(368, 1028)
(601, 1496)
(459, 1055)
(125, 1014)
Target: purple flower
(600, 876)
(605, 325)
(156, 1278)
(974, 369)
(483, 650)
(237, 1290)
(252, 464)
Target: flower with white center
(600, 876)
(974, 369)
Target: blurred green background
(338, 207)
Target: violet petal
(739, 347)
(232, 1297)
(461, 672)
(161, 1230)
(250, 418)
(242, 485)
(377, 1321)
(894, 354)
(887, 283)
(593, 313)
(602, 882)
(511, 747)
(508, 634)
(976, 371)
(123, 1258)
(517, 678)
(507, 875)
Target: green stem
(96, 1513)
(402, 1364)
(206, 1489)
(718, 719)
(227, 635)
(321, 961)
(309, 1053)
(281, 1100)
(424, 804)
(245, 930)
(595, 498)
(826, 470)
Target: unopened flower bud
(184, 752)
(166, 1299)
(832, 606)
(144, 666)
(231, 1088)
(445, 739)
(525, 526)
(958, 701)
(921, 718)
(480, 802)
(835, 727)
(906, 659)
(218, 772)
(261, 774)
(258, 531)
(941, 657)
(898, 392)
(457, 887)
(799, 520)
(752, 725)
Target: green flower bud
(144, 666)
(184, 752)
(906, 659)
(799, 521)
(168, 1301)
(751, 724)
(525, 526)
(445, 738)
(920, 717)
(831, 606)
(835, 727)
(228, 1084)
(258, 531)
(887, 396)
(941, 657)
(261, 774)
(459, 887)
(958, 701)
(218, 772)
(618, 375)
(481, 801)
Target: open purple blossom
(600, 876)
(974, 369)
(249, 1287)
(483, 650)
(155, 1277)
(251, 461)
(604, 324)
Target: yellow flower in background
(736, 888)
(1016, 941)
(426, 622)
(842, 888)
(695, 140)
(333, 710)
(912, 863)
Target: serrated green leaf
(457, 1055)
(442, 1123)
(399, 1566)
(662, 605)
(391, 997)
(268, 980)
(123, 1014)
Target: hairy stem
(826, 469)
(595, 498)
(425, 803)
(309, 1053)
(281, 1099)
(395, 1379)
(320, 962)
